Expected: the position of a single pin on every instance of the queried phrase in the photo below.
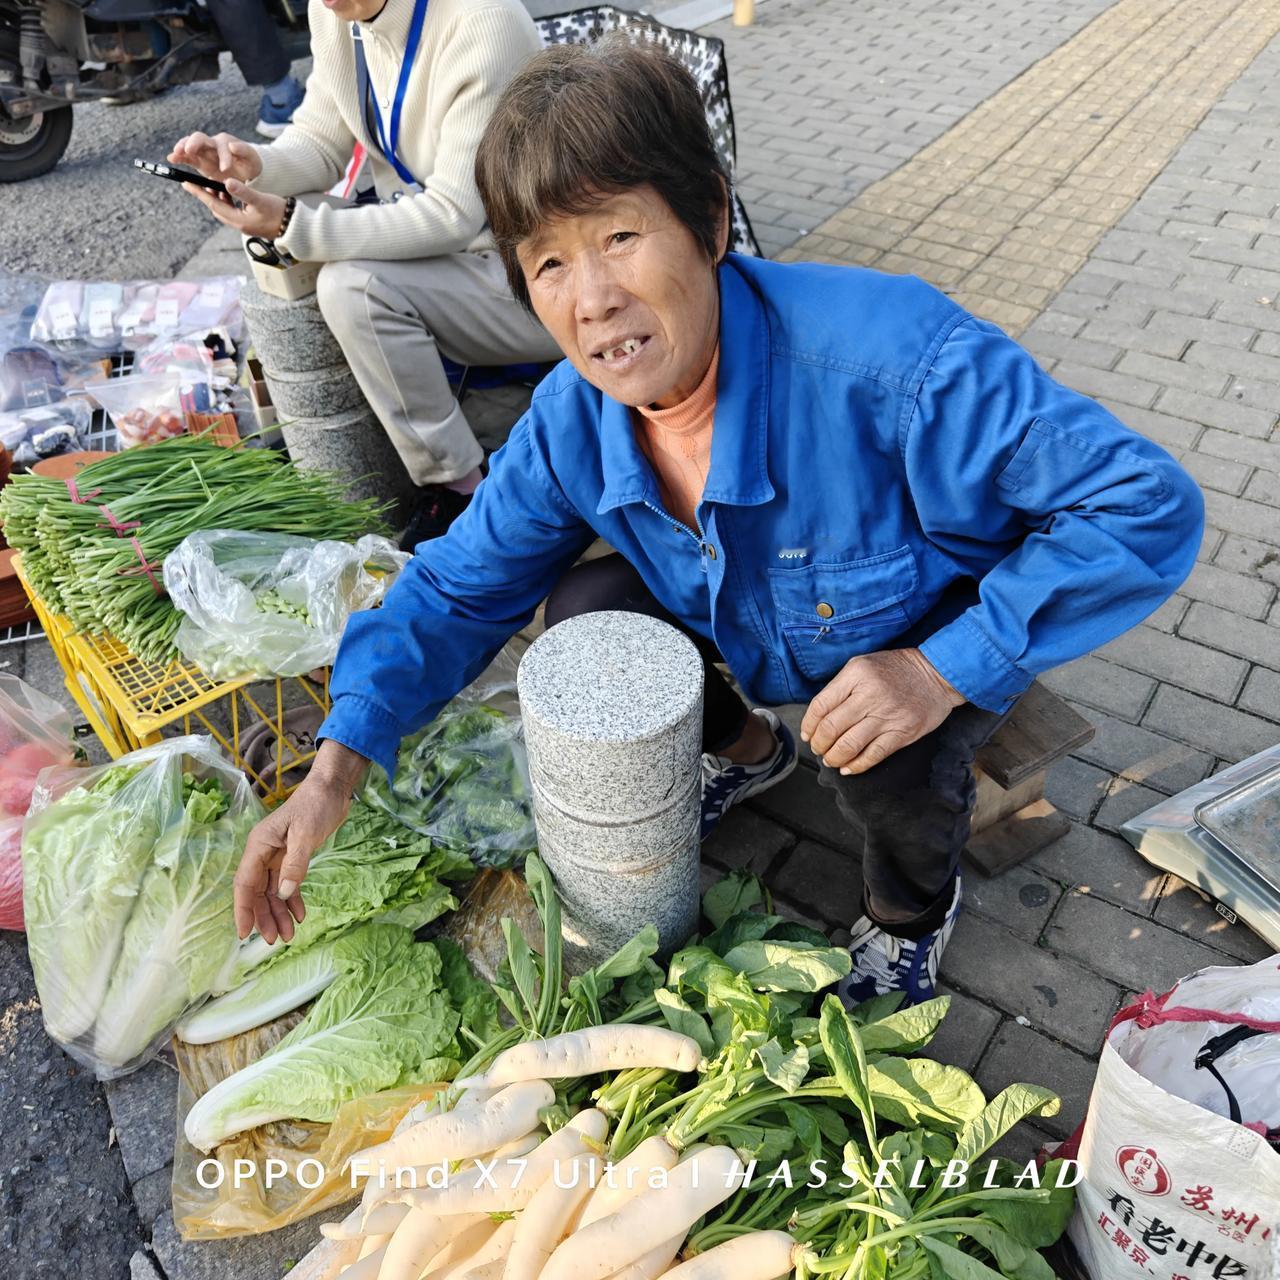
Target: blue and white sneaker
(725, 784)
(883, 963)
(275, 117)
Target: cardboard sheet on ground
(249, 1206)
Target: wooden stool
(1012, 819)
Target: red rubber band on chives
(143, 566)
(76, 495)
(118, 527)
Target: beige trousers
(395, 319)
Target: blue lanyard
(389, 145)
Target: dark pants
(909, 814)
(248, 31)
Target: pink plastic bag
(35, 732)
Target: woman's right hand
(222, 156)
(268, 881)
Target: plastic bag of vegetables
(35, 732)
(464, 781)
(128, 871)
(259, 605)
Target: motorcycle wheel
(34, 144)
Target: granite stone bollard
(325, 421)
(288, 336)
(353, 445)
(612, 710)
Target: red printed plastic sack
(35, 732)
(1178, 1151)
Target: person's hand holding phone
(223, 156)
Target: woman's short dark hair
(582, 122)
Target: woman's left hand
(878, 704)
(258, 214)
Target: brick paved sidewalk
(1097, 177)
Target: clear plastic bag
(45, 430)
(127, 894)
(142, 409)
(263, 605)
(464, 779)
(247, 1205)
(35, 734)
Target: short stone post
(612, 710)
(325, 420)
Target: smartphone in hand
(162, 170)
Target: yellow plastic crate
(131, 703)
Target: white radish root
(544, 1223)
(694, 1188)
(509, 1185)
(758, 1255)
(373, 1244)
(366, 1268)
(491, 1254)
(627, 1177)
(418, 1239)
(457, 1135)
(463, 1247)
(652, 1264)
(588, 1052)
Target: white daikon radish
(463, 1247)
(588, 1052)
(456, 1135)
(491, 1254)
(642, 1223)
(418, 1239)
(326, 1261)
(541, 1226)
(366, 1268)
(509, 1185)
(758, 1255)
(627, 1177)
(360, 1224)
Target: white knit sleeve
(487, 47)
(312, 153)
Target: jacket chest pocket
(829, 612)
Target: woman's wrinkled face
(629, 296)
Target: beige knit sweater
(469, 50)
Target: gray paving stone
(1185, 909)
(1124, 799)
(1103, 685)
(265, 1257)
(821, 881)
(1173, 373)
(1021, 899)
(999, 968)
(1212, 412)
(1264, 487)
(1239, 593)
(1248, 556)
(1136, 337)
(1105, 866)
(1244, 364)
(745, 839)
(1138, 755)
(143, 1267)
(1117, 385)
(144, 1113)
(1076, 788)
(1262, 692)
(1256, 641)
(1191, 666)
(153, 1195)
(1022, 1055)
(1169, 614)
(807, 808)
(1216, 473)
(1121, 946)
(964, 1032)
(1229, 734)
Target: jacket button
(711, 551)
(824, 609)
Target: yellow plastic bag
(476, 927)
(306, 1173)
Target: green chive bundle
(91, 573)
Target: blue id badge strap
(388, 141)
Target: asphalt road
(95, 216)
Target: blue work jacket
(886, 469)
